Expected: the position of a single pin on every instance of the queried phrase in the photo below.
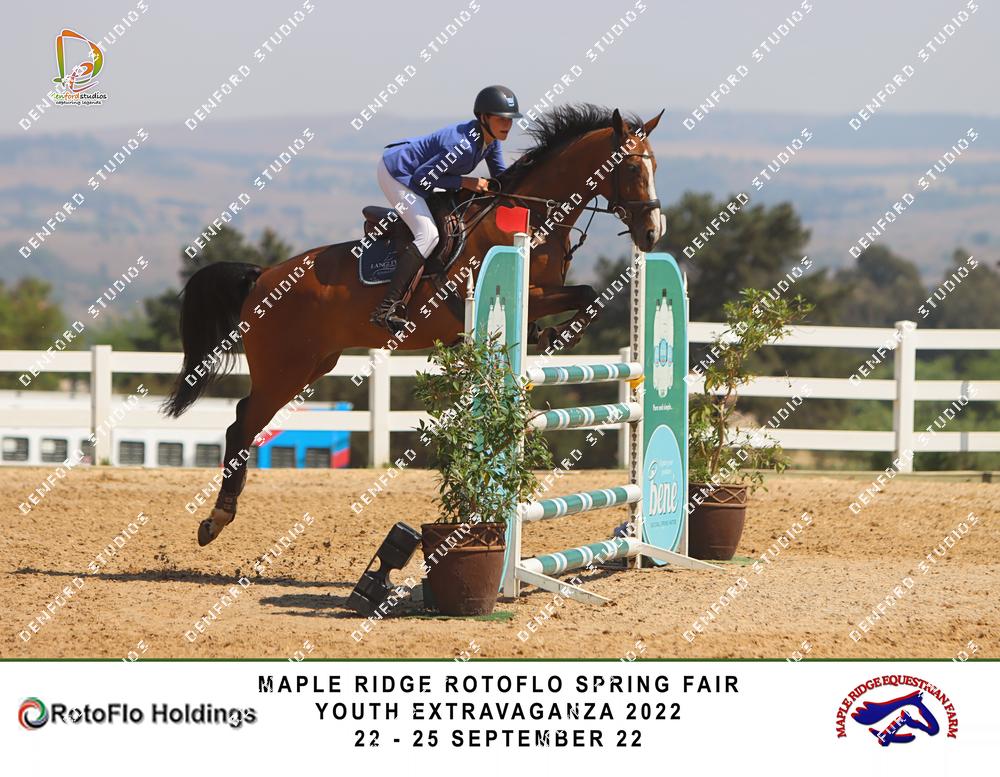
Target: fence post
(378, 408)
(624, 395)
(100, 401)
(905, 374)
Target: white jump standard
(656, 412)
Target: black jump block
(395, 552)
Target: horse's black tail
(213, 298)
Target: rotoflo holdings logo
(32, 721)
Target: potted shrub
(725, 463)
(479, 442)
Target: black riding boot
(390, 313)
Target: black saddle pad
(376, 262)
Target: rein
(623, 210)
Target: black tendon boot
(390, 313)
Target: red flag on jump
(512, 219)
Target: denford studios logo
(79, 61)
(34, 714)
(899, 709)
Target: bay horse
(320, 307)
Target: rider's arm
(494, 158)
(425, 177)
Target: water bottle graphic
(663, 344)
(497, 321)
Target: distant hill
(177, 181)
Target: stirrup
(391, 317)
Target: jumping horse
(580, 152)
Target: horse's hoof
(205, 532)
(211, 527)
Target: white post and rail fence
(380, 420)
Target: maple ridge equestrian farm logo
(78, 81)
(900, 708)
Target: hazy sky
(341, 54)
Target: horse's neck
(557, 178)
(564, 175)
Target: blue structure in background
(338, 443)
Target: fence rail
(899, 343)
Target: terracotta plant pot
(716, 524)
(465, 564)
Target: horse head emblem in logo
(871, 712)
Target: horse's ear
(650, 125)
(618, 124)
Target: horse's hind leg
(269, 394)
(234, 475)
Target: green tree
(879, 290)
(969, 302)
(31, 321)
(230, 245)
(753, 248)
(29, 318)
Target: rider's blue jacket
(441, 158)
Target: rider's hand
(476, 184)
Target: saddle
(385, 232)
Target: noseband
(626, 210)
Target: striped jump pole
(583, 373)
(549, 564)
(596, 415)
(583, 502)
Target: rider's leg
(411, 255)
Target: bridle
(624, 210)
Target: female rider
(442, 159)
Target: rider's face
(499, 126)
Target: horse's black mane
(555, 129)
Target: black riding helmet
(498, 101)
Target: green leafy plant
(479, 440)
(752, 321)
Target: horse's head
(630, 188)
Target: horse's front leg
(549, 301)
